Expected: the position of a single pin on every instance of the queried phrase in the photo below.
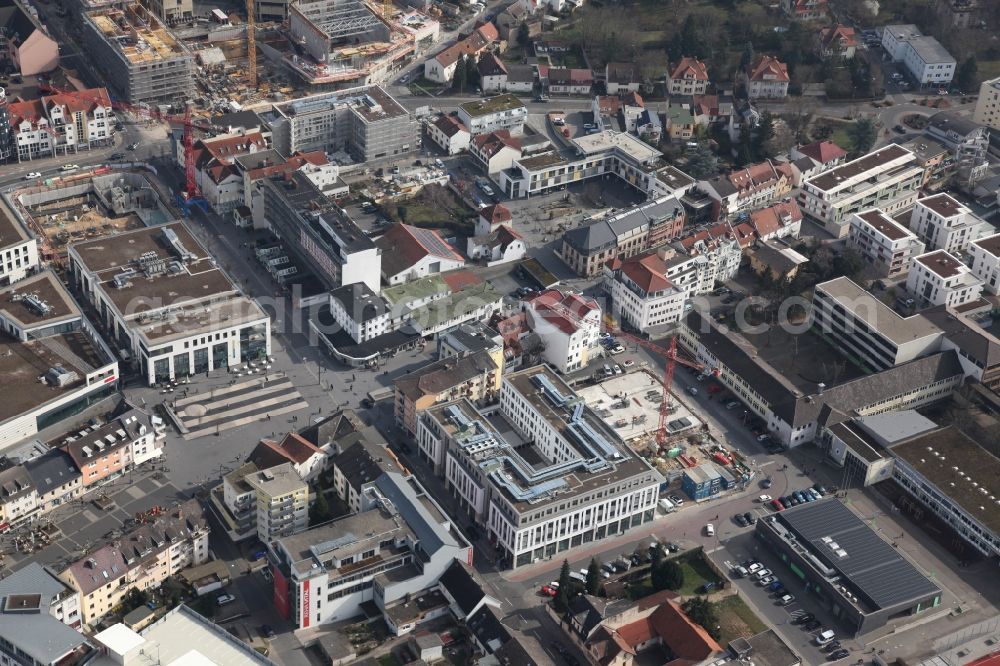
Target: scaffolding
(339, 19)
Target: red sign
(305, 603)
(110, 379)
(281, 603)
(469, 562)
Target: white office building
(568, 325)
(938, 278)
(642, 296)
(925, 59)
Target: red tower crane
(672, 359)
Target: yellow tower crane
(251, 48)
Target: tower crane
(672, 359)
(251, 47)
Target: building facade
(988, 105)
(945, 224)
(985, 254)
(503, 112)
(938, 278)
(568, 325)
(282, 501)
(886, 245)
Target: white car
(224, 599)
(69, 167)
(710, 529)
(33, 175)
(764, 499)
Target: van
(825, 636)
(666, 505)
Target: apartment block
(985, 254)
(569, 326)
(887, 179)
(749, 188)
(928, 63)
(62, 123)
(493, 113)
(767, 78)
(884, 243)
(282, 501)
(945, 224)
(193, 317)
(688, 77)
(642, 297)
(560, 479)
(140, 58)
(18, 248)
(988, 105)
(938, 278)
(366, 122)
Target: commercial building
(887, 246)
(925, 59)
(410, 253)
(887, 179)
(988, 105)
(397, 546)
(748, 188)
(543, 474)
(568, 325)
(856, 575)
(48, 336)
(938, 278)
(365, 122)
(61, 123)
(361, 459)
(39, 620)
(282, 501)
(168, 542)
(171, 310)
(493, 113)
(985, 254)
(139, 57)
(18, 248)
(945, 224)
(108, 450)
(642, 297)
(588, 247)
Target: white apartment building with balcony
(945, 224)
(938, 278)
(568, 325)
(282, 501)
(988, 105)
(493, 113)
(887, 179)
(985, 254)
(641, 294)
(884, 243)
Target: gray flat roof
(873, 567)
(930, 50)
(878, 316)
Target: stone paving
(223, 408)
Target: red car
(548, 591)
(777, 506)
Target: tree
(702, 612)
(667, 576)
(744, 149)
(762, 137)
(523, 34)
(472, 77)
(561, 600)
(849, 263)
(747, 56)
(319, 512)
(656, 557)
(967, 75)
(135, 598)
(593, 577)
(460, 78)
(862, 135)
(702, 163)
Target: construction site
(88, 207)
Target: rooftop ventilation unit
(171, 236)
(36, 304)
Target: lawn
(737, 620)
(434, 207)
(696, 574)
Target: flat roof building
(853, 572)
(18, 248)
(141, 59)
(883, 243)
(174, 312)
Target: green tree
(319, 512)
(135, 598)
(747, 57)
(460, 79)
(862, 134)
(561, 600)
(744, 149)
(702, 162)
(472, 77)
(656, 556)
(762, 137)
(702, 612)
(673, 575)
(849, 263)
(593, 577)
(967, 75)
(523, 34)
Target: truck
(372, 398)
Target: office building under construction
(140, 59)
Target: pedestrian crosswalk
(227, 407)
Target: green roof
(481, 107)
(416, 290)
(458, 304)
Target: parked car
(820, 489)
(224, 599)
(833, 647)
(899, 129)
(761, 573)
(739, 571)
(676, 499)
(775, 586)
(117, 156)
(740, 520)
(69, 167)
(804, 618)
(693, 390)
(628, 364)
(706, 587)
(754, 567)
(764, 499)
(617, 349)
(837, 655)
(777, 506)
(812, 625)
(732, 404)
(132, 146)
(785, 600)
(766, 580)
(32, 175)
(766, 483)
(548, 591)
(763, 437)
(824, 637)
(750, 518)
(709, 529)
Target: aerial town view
(499, 332)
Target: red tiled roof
(449, 126)
(31, 111)
(647, 271)
(474, 44)
(490, 65)
(823, 152)
(766, 221)
(563, 76)
(562, 310)
(298, 449)
(686, 639)
(461, 279)
(409, 244)
(491, 144)
(767, 68)
(496, 214)
(637, 632)
(623, 72)
(223, 149)
(839, 35)
(633, 99)
(690, 68)
(293, 163)
(608, 104)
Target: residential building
(474, 376)
(395, 548)
(938, 278)
(814, 158)
(927, 62)
(140, 58)
(568, 325)
(988, 104)
(699, 260)
(180, 635)
(586, 248)
(492, 73)
(780, 220)
(282, 500)
(18, 496)
(260, 165)
(679, 123)
(366, 122)
(767, 78)
(503, 112)
(642, 297)
(495, 151)
(321, 237)
(237, 508)
(410, 253)
(18, 248)
(441, 68)
(363, 457)
(867, 329)
(776, 259)
(805, 10)
(307, 459)
(560, 479)
(945, 224)
(563, 81)
(711, 110)
(217, 174)
(520, 79)
(167, 542)
(500, 246)
(748, 188)
(884, 244)
(193, 318)
(492, 218)
(837, 41)
(932, 156)
(620, 78)
(688, 77)
(56, 478)
(449, 133)
(509, 22)
(968, 141)
(39, 621)
(25, 42)
(61, 123)
(985, 255)
(887, 179)
(838, 553)
(360, 312)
